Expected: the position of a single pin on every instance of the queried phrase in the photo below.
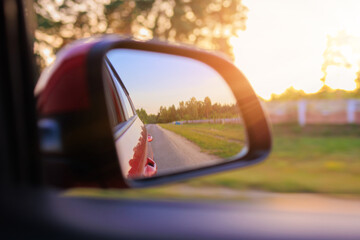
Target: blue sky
(156, 79)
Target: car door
(129, 131)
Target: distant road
(174, 152)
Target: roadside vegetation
(317, 158)
(192, 109)
(61, 22)
(310, 159)
(222, 140)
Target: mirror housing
(71, 96)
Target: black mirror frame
(254, 118)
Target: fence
(220, 120)
(320, 111)
(316, 111)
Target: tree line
(190, 110)
(206, 23)
(324, 93)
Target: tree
(193, 110)
(146, 118)
(342, 50)
(172, 114)
(152, 118)
(182, 110)
(142, 115)
(163, 116)
(289, 94)
(207, 106)
(206, 23)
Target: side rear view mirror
(117, 112)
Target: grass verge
(223, 140)
(316, 159)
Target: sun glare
(341, 78)
(281, 49)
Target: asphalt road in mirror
(173, 152)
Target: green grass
(313, 159)
(317, 159)
(223, 140)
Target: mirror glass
(169, 113)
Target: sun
(281, 49)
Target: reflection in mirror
(169, 113)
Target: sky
(156, 79)
(285, 40)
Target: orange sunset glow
(285, 46)
(285, 43)
(282, 44)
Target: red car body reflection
(63, 89)
(138, 161)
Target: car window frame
(115, 110)
(121, 127)
(117, 79)
(124, 98)
(117, 99)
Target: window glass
(126, 105)
(127, 108)
(111, 100)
